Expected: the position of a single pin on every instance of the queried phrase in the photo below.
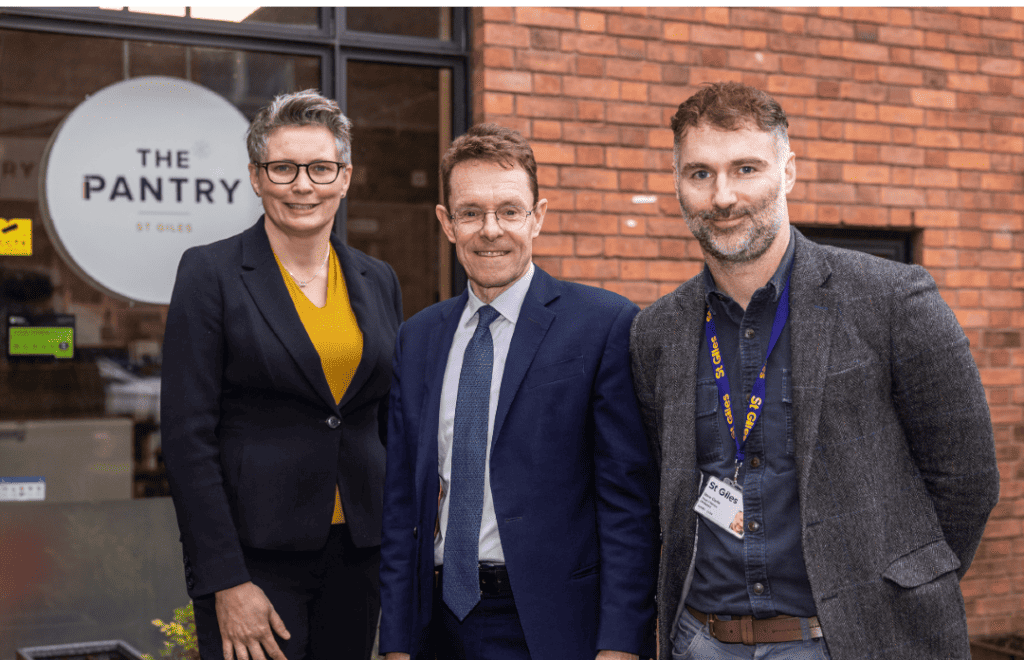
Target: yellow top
(335, 334)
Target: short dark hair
(493, 144)
(728, 105)
(305, 108)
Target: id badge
(721, 503)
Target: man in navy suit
(519, 513)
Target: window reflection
(279, 15)
(104, 400)
(428, 22)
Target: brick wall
(900, 118)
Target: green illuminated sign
(58, 342)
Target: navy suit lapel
(812, 326)
(361, 299)
(534, 321)
(262, 278)
(438, 344)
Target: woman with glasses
(277, 363)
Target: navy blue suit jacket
(573, 482)
(253, 439)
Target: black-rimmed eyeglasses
(320, 171)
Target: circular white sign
(138, 173)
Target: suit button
(753, 526)
(758, 588)
(333, 422)
(755, 462)
(415, 532)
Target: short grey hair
(305, 108)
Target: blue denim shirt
(763, 573)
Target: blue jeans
(692, 641)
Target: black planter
(113, 649)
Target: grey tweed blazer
(894, 450)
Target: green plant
(181, 635)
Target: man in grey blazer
(825, 448)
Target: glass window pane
(45, 76)
(307, 16)
(429, 22)
(398, 113)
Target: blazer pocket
(585, 572)
(922, 565)
(554, 372)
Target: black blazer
(252, 438)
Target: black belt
(493, 579)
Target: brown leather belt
(748, 630)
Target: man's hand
(396, 656)
(616, 655)
(247, 624)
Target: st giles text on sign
(138, 173)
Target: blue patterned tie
(461, 585)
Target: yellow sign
(16, 237)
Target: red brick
(547, 84)
(591, 133)
(630, 247)
(591, 44)
(934, 59)
(758, 61)
(589, 178)
(858, 132)
(857, 50)
(634, 27)
(717, 15)
(900, 36)
(866, 174)
(676, 31)
(929, 138)
(910, 197)
(590, 66)
(715, 36)
(634, 114)
(546, 17)
(547, 108)
(499, 58)
(936, 218)
(896, 155)
(867, 14)
(547, 61)
(822, 150)
(900, 115)
(792, 85)
(591, 223)
(590, 269)
(1001, 67)
(508, 81)
(498, 104)
(557, 154)
(597, 88)
(549, 245)
(967, 83)
(969, 160)
(639, 292)
(1002, 182)
(590, 111)
(589, 246)
(590, 155)
(896, 75)
(497, 14)
(933, 98)
(499, 34)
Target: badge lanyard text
(757, 391)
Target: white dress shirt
(508, 305)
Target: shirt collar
(777, 281)
(509, 302)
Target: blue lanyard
(757, 391)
